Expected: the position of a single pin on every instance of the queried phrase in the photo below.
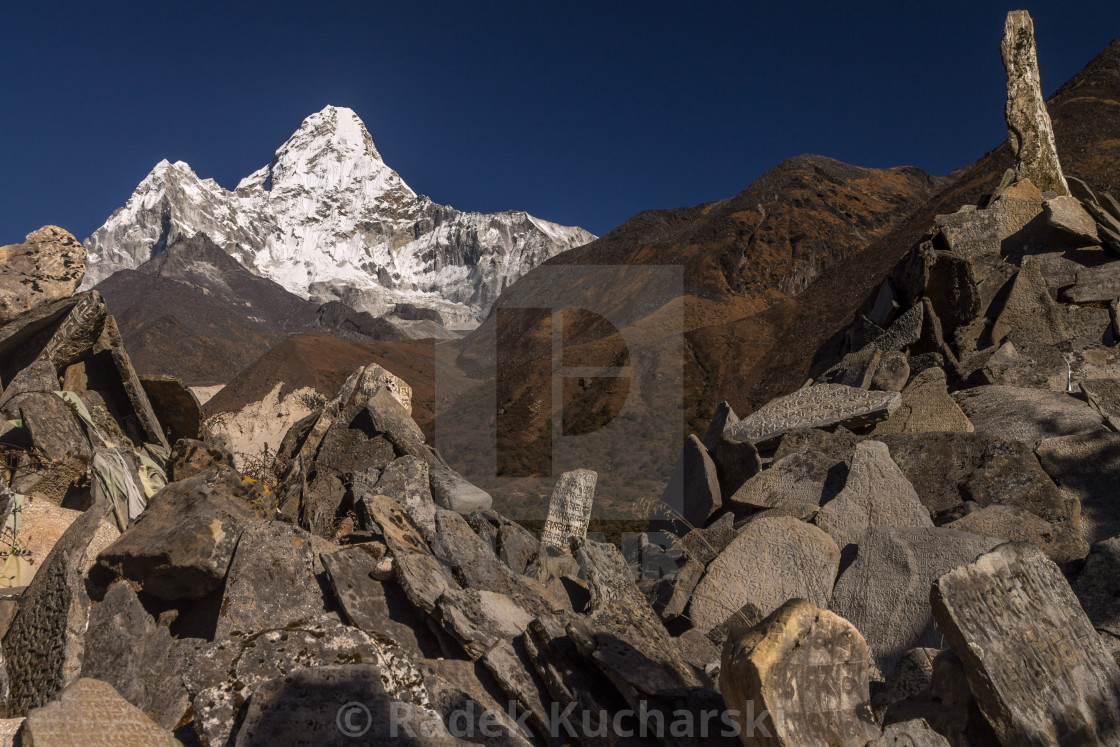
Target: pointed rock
(926, 406)
(693, 491)
(876, 494)
(1028, 123)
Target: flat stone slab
(47, 266)
(802, 477)
(803, 673)
(91, 713)
(1027, 415)
(772, 560)
(1066, 214)
(885, 592)
(1037, 667)
(817, 406)
(1099, 284)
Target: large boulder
(876, 494)
(818, 406)
(1038, 669)
(885, 592)
(48, 266)
(1029, 312)
(1027, 415)
(772, 560)
(181, 546)
(801, 677)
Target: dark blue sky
(579, 112)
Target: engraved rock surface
(773, 559)
(91, 713)
(569, 509)
(817, 406)
(1037, 667)
(885, 592)
(876, 494)
(807, 476)
(926, 406)
(807, 670)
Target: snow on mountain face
(328, 218)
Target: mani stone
(885, 592)
(1038, 669)
(803, 676)
(271, 581)
(1027, 415)
(1095, 284)
(904, 332)
(803, 477)
(876, 494)
(46, 267)
(1029, 131)
(1030, 312)
(569, 509)
(1066, 214)
(817, 406)
(693, 491)
(44, 645)
(775, 558)
(91, 713)
(926, 406)
(1061, 543)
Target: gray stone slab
(817, 406)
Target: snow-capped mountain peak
(327, 217)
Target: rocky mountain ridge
(328, 219)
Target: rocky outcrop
(1028, 123)
(46, 267)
